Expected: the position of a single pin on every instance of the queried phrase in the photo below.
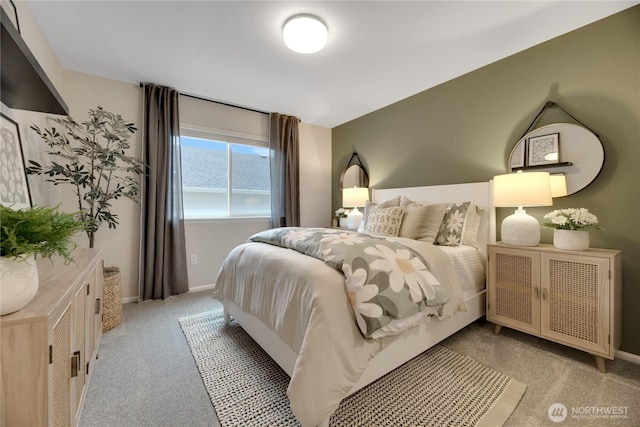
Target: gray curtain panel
(285, 176)
(163, 251)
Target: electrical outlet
(194, 259)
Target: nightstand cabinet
(570, 297)
(48, 347)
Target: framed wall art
(543, 150)
(14, 187)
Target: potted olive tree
(25, 234)
(92, 160)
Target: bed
(307, 324)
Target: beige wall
(81, 92)
(211, 241)
(38, 44)
(41, 193)
(315, 176)
(464, 130)
(120, 246)
(315, 201)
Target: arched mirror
(560, 148)
(355, 174)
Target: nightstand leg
(600, 364)
(497, 329)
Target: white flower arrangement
(341, 213)
(572, 219)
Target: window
(222, 178)
(225, 160)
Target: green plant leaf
(41, 231)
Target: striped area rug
(437, 388)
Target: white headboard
(480, 193)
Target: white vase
(573, 240)
(343, 222)
(18, 282)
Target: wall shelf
(549, 166)
(25, 85)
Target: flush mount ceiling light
(305, 34)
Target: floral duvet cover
(304, 300)
(386, 280)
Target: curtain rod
(217, 102)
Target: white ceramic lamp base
(520, 229)
(354, 219)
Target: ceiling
(378, 52)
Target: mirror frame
(581, 154)
(355, 163)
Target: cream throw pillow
(384, 221)
(421, 221)
(471, 226)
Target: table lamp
(521, 189)
(558, 185)
(354, 197)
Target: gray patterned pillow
(384, 222)
(452, 226)
(370, 207)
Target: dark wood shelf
(25, 85)
(549, 166)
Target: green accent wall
(463, 131)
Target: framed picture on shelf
(543, 150)
(9, 8)
(14, 187)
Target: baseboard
(202, 288)
(194, 289)
(629, 357)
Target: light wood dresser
(49, 346)
(570, 297)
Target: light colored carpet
(146, 375)
(438, 388)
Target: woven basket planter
(112, 298)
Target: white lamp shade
(305, 34)
(558, 185)
(522, 189)
(354, 196)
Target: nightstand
(570, 297)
